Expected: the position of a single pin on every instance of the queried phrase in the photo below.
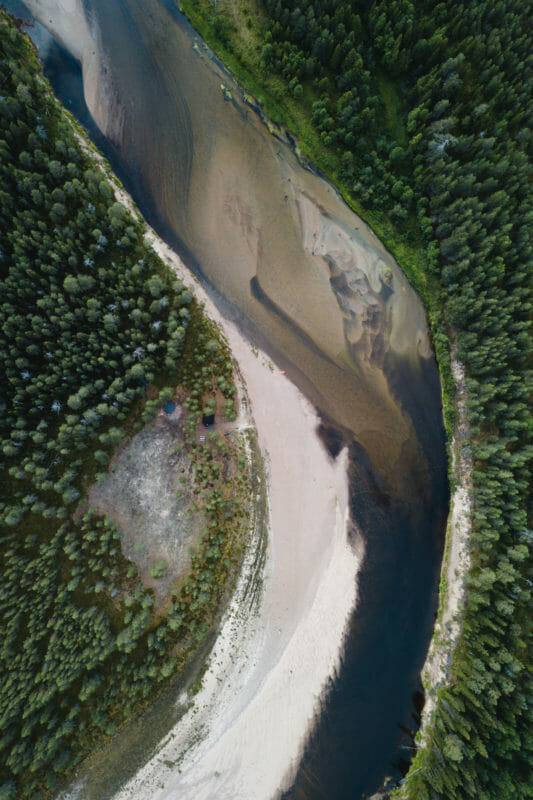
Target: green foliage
(158, 568)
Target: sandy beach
(268, 670)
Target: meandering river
(308, 281)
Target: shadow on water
(373, 706)
(371, 711)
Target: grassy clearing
(393, 108)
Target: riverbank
(456, 560)
(247, 726)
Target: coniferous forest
(421, 113)
(95, 335)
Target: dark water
(384, 405)
(371, 714)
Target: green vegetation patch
(158, 569)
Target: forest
(421, 113)
(96, 334)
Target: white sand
(243, 736)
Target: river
(309, 282)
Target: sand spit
(245, 731)
(242, 738)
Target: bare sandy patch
(148, 494)
(364, 278)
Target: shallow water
(238, 200)
(310, 283)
